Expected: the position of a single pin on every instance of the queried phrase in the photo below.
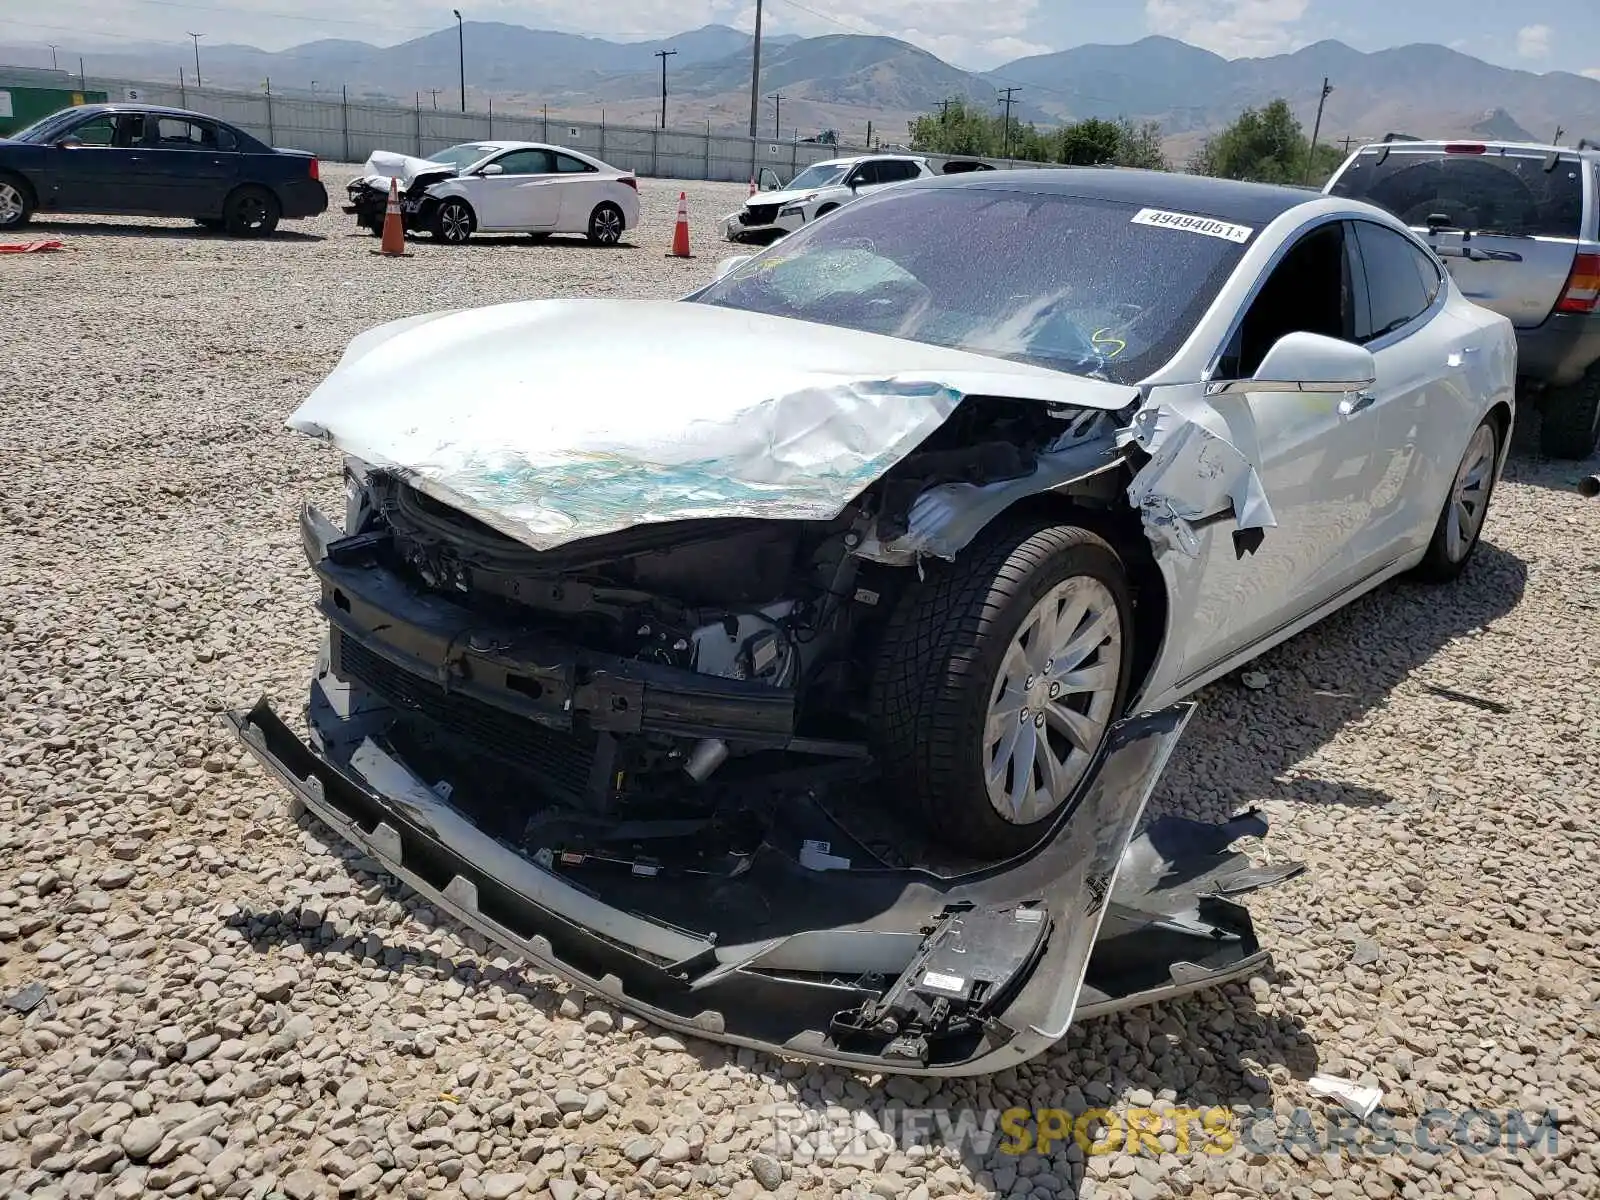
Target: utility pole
(869, 135)
(197, 37)
(1348, 142)
(434, 93)
(461, 57)
(53, 50)
(1008, 98)
(1316, 130)
(755, 74)
(83, 80)
(777, 115)
(663, 55)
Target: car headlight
(792, 210)
(355, 495)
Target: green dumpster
(22, 106)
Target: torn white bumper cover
(885, 969)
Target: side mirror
(69, 143)
(492, 169)
(728, 265)
(1307, 362)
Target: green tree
(1267, 145)
(960, 127)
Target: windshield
(819, 176)
(1482, 193)
(42, 130)
(463, 155)
(1068, 282)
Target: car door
(1313, 453)
(515, 192)
(578, 189)
(1422, 357)
(101, 166)
(192, 163)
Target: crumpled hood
(384, 165)
(558, 420)
(788, 197)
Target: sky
(1536, 35)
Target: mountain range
(844, 81)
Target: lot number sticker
(1193, 224)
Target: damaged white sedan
(795, 672)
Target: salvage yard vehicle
(499, 187)
(1519, 227)
(799, 679)
(145, 161)
(818, 191)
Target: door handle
(1352, 404)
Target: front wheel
(997, 681)
(251, 212)
(1460, 525)
(452, 222)
(606, 225)
(16, 202)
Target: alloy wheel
(1469, 496)
(10, 204)
(1052, 700)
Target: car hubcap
(1052, 700)
(455, 224)
(1469, 498)
(10, 204)
(608, 226)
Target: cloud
(1533, 41)
(1234, 28)
(1592, 72)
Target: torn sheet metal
(558, 420)
(1194, 473)
(944, 519)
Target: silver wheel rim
(608, 225)
(1469, 497)
(10, 204)
(456, 224)
(1052, 700)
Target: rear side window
(1483, 193)
(567, 165)
(1396, 294)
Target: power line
(1008, 98)
(663, 55)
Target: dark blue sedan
(139, 160)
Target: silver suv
(1519, 227)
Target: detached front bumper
(799, 942)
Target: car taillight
(1582, 293)
(630, 181)
(1465, 148)
(316, 171)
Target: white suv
(818, 190)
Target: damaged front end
(639, 751)
(367, 196)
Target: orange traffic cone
(394, 234)
(680, 235)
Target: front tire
(1460, 526)
(16, 201)
(1570, 425)
(606, 224)
(452, 222)
(251, 212)
(998, 679)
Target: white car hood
(793, 197)
(386, 165)
(558, 420)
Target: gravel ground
(236, 1006)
